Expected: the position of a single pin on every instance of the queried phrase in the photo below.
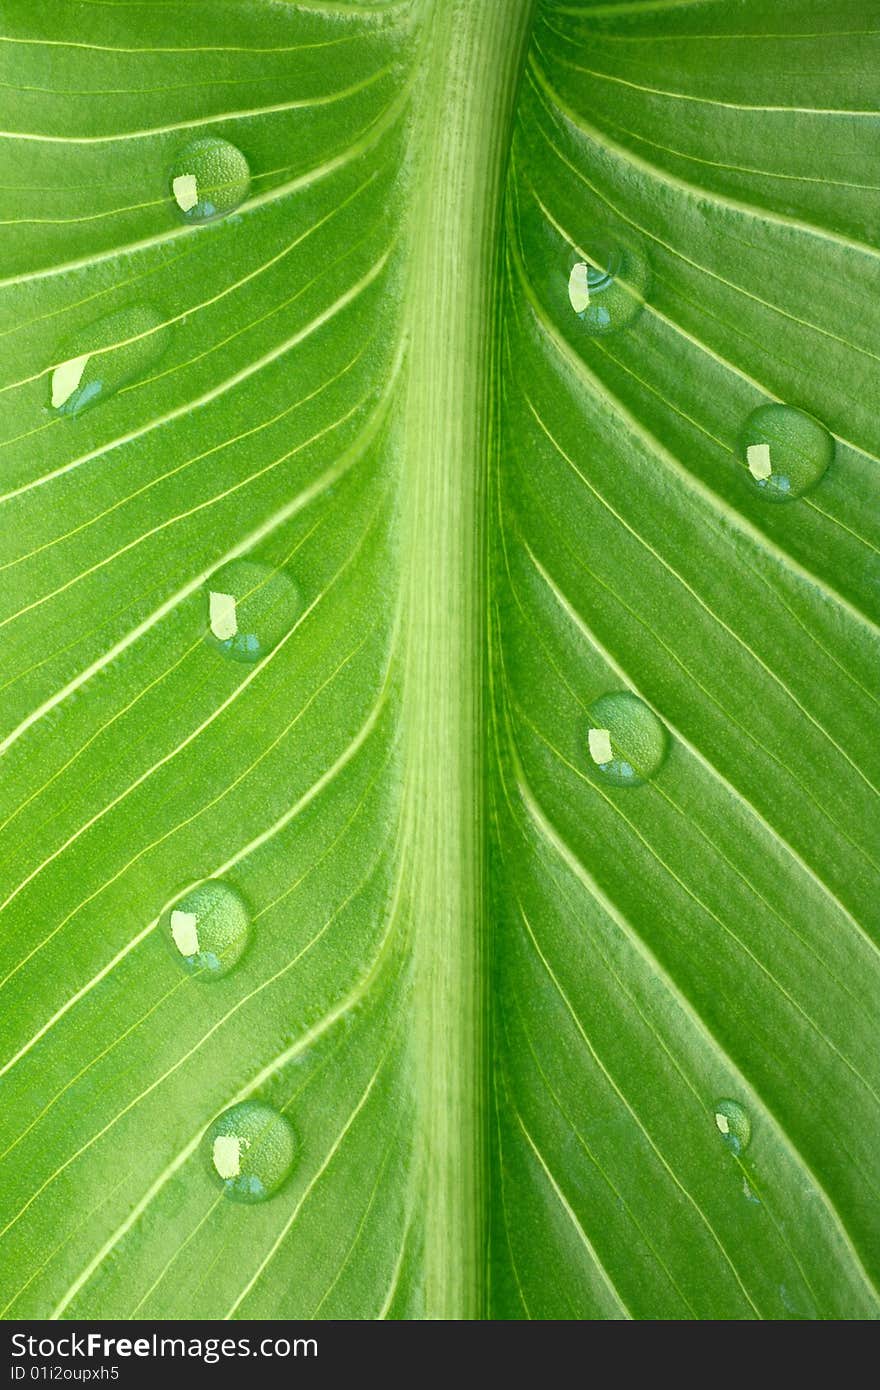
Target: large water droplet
(250, 608)
(785, 451)
(108, 354)
(251, 1150)
(209, 178)
(208, 929)
(627, 742)
(733, 1124)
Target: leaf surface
(550, 1046)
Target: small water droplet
(208, 928)
(733, 1124)
(798, 1303)
(210, 178)
(107, 354)
(595, 277)
(627, 742)
(785, 450)
(608, 277)
(250, 608)
(251, 1150)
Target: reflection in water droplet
(107, 354)
(627, 742)
(786, 451)
(733, 1124)
(251, 1150)
(250, 608)
(208, 929)
(579, 287)
(210, 178)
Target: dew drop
(250, 608)
(627, 742)
(251, 1149)
(210, 178)
(594, 276)
(733, 1124)
(785, 450)
(607, 281)
(208, 929)
(108, 354)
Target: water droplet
(785, 451)
(607, 280)
(627, 742)
(733, 1124)
(250, 608)
(251, 1149)
(208, 929)
(210, 178)
(106, 355)
(594, 277)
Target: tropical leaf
(439, 694)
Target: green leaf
(390, 536)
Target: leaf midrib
(471, 64)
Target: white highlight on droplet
(184, 932)
(227, 1154)
(758, 459)
(600, 746)
(186, 191)
(579, 287)
(722, 1122)
(222, 615)
(66, 378)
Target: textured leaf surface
(499, 998)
